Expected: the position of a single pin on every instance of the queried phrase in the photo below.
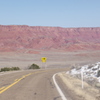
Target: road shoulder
(76, 92)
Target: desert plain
(55, 59)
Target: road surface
(29, 85)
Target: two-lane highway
(29, 85)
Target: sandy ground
(74, 85)
(54, 59)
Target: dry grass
(74, 84)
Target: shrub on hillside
(34, 66)
(9, 69)
(5, 69)
(15, 68)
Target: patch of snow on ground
(89, 71)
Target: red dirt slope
(21, 37)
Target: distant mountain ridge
(21, 37)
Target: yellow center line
(3, 89)
(16, 79)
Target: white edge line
(58, 88)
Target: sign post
(44, 61)
(82, 78)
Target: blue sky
(55, 13)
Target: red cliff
(20, 37)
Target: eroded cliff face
(21, 37)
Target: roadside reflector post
(44, 61)
(82, 78)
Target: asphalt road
(29, 85)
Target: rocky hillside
(21, 37)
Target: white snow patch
(90, 71)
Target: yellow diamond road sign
(43, 59)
